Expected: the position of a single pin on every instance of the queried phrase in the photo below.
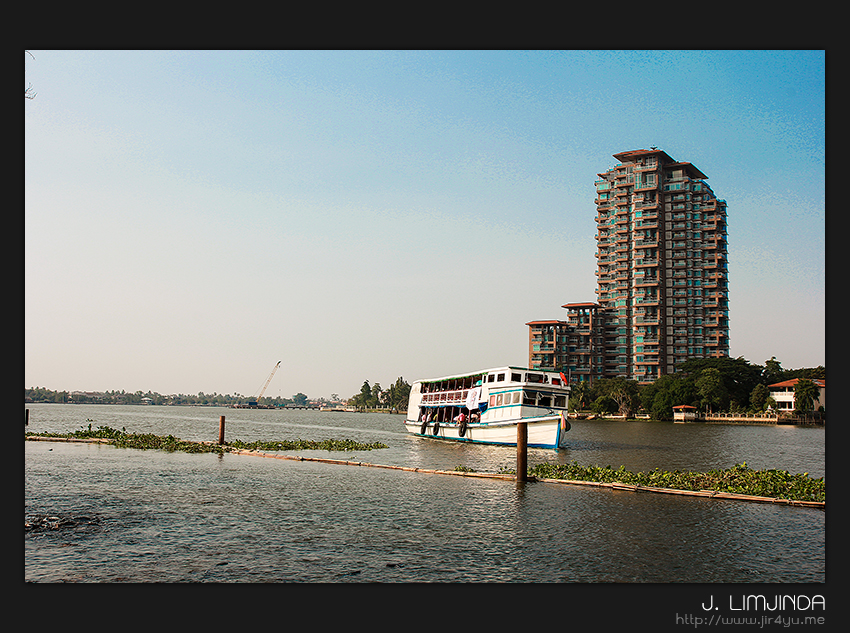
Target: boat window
(556, 381)
(544, 400)
(561, 402)
(517, 396)
(529, 397)
(516, 377)
(491, 377)
(500, 378)
(493, 401)
(498, 399)
(534, 378)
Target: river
(125, 515)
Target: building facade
(784, 394)
(662, 277)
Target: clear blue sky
(194, 217)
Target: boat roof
(486, 371)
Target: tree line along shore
(731, 385)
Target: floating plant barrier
(294, 445)
(148, 441)
(740, 479)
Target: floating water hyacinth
(149, 441)
(740, 479)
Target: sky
(193, 217)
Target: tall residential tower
(662, 280)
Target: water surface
(151, 516)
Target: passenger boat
(486, 406)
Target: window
(500, 378)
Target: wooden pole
(521, 451)
(221, 430)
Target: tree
(624, 392)
(711, 389)
(398, 394)
(772, 372)
(759, 396)
(662, 406)
(604, 405)
(737, 375)
(299, 399)
(362, 399)
(669, 390)
(579, 392)
(806, 393)
(377, 395)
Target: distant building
(783, 393)
(662, 277)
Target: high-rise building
(662, 278)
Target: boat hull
(543, 432)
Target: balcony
(646, 262)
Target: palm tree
(806, 393)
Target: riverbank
(714, 418)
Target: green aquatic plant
(740, 479)
(296, 445)
(149, 441)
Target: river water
(122, 515)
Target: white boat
(486, 406)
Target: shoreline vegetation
(739, 481)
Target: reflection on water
(174, 517)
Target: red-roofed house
(783, 393)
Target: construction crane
(265, 386)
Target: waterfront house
(783, 393)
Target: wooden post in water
(521, 451)
(221, 430)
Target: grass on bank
(149, 441)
